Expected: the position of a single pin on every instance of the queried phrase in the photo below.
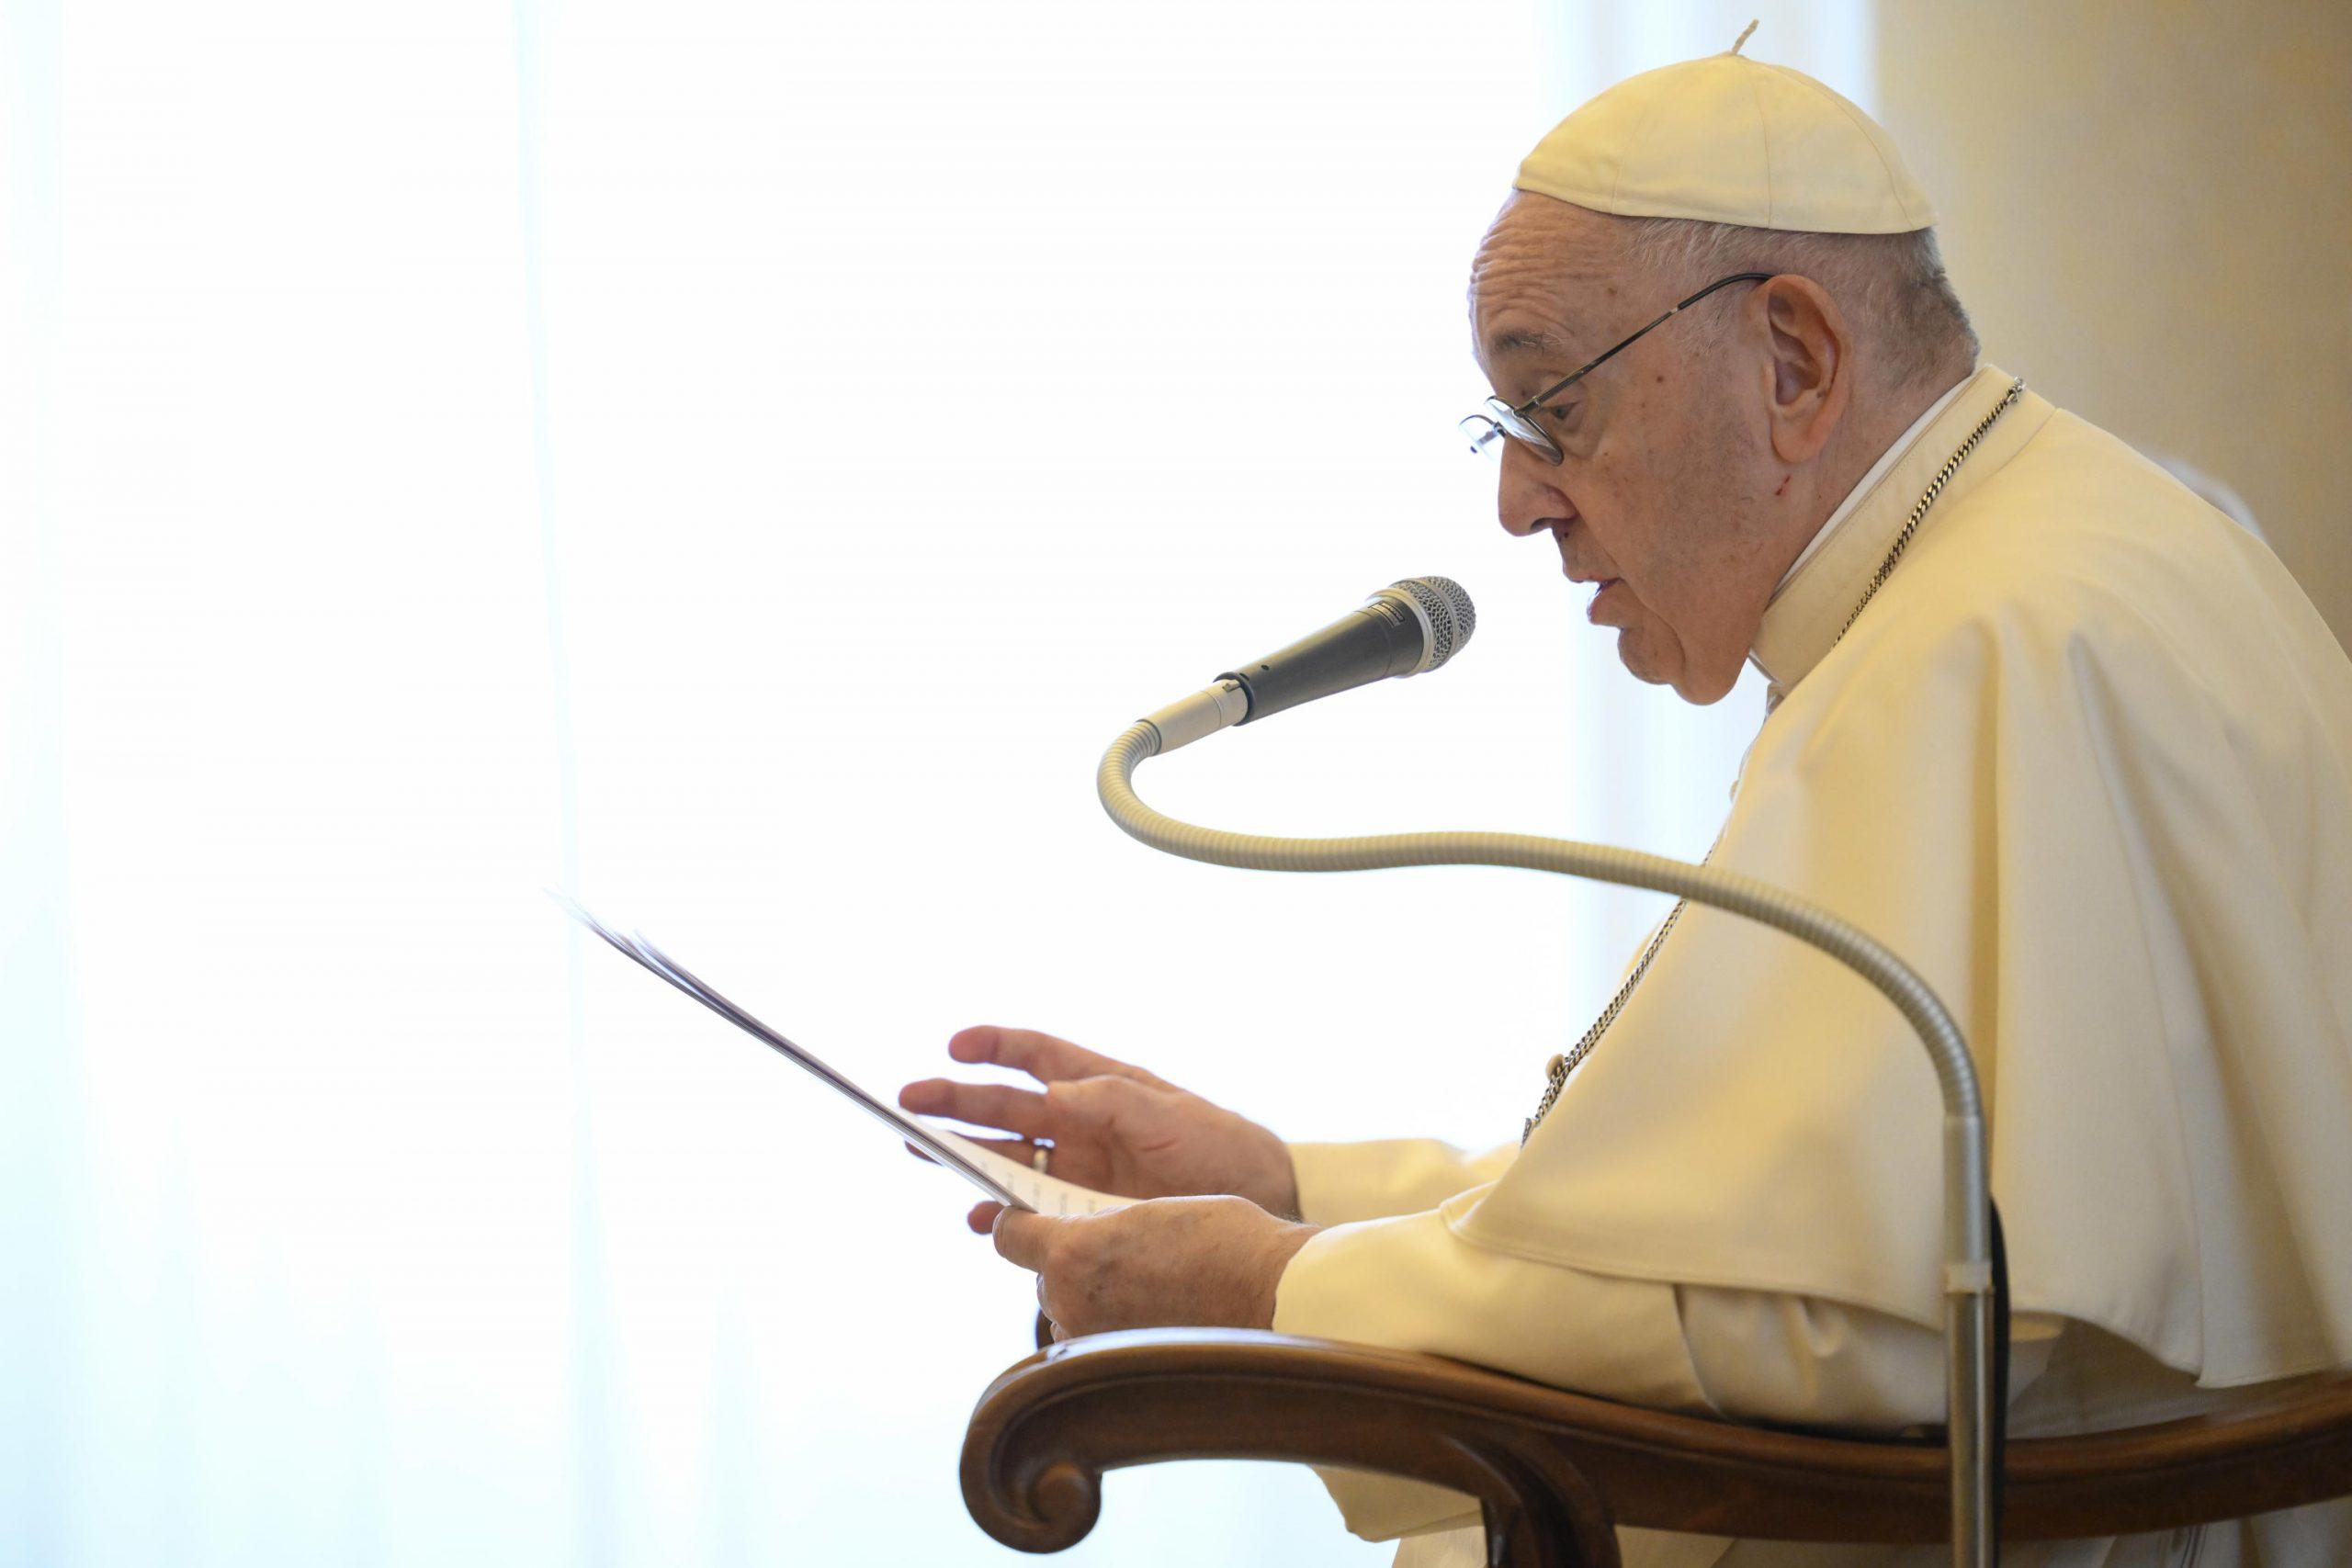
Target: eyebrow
(1505, 342)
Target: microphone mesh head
(1451, 618)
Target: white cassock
(2086, 762)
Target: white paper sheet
(1006, 1180)
(1030, 1188)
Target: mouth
(1592, 606)
(1568, 568)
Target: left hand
(1196, 1262)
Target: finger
(924, 1095)
(982, 1219)
(921, 1154)
(981, 1104)
(1021, 1237)
(1060, 1333)
(1095, 1105)
(1045, 1058)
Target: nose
(1526, 493)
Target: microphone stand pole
(1968, 1258)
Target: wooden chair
(1555, 1471)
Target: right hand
(1115, 1128)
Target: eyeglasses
(1485, 430)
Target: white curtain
(743, 461)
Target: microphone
(1406, 628)
(1345, 654)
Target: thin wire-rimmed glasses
(1485, 430)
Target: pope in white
(2062, 736)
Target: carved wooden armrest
(1555, 1471)
(1046, 1429)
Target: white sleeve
(1410, 1283)
(1761, 1356)
(1339, 1182)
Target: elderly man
(2054, 730)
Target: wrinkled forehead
(1547, 281)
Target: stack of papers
(1006, 1180)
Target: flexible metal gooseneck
(1968, 1230)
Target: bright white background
(745, 461)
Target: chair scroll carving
(1555, 1471)
(1046, 1431)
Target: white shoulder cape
(2086, 762)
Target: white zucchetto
(1729, 139)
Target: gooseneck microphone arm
(1970, 1339)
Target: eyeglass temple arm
(1532, 403)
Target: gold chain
(1557, 1072)
(1935, 489)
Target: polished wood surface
(1555, 1471)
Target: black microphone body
(1405, 628)
(1372, 643)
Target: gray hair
(1891, 286)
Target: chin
(1699, 688)
(1703, 689)
(1700, 694)
(1635, 654)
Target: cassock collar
(1808, 611)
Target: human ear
(1810, 349)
